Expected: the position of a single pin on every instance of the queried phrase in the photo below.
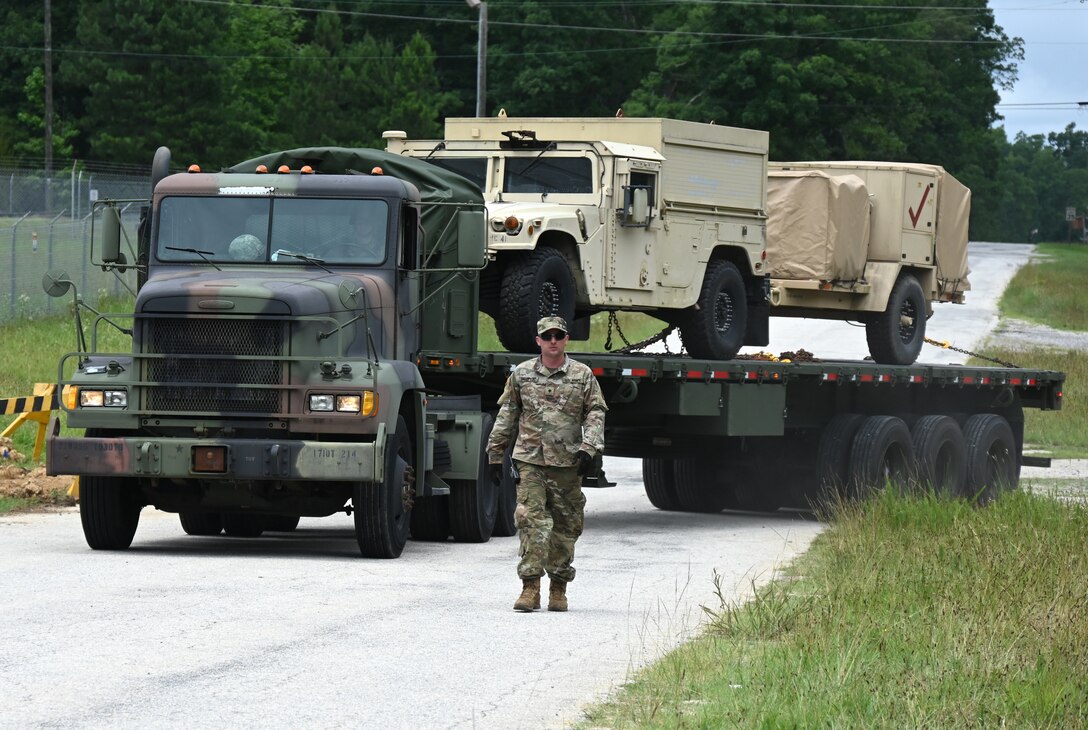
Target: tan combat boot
(557, 595)
(530, 595)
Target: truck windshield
(548, 174)
(261, 230)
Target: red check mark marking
(915, 216)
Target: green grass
(1051, 291)
(634, 325)
(906, 612)
(15, 504)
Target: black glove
(496, 472)
(583, 461)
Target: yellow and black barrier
(31, 408)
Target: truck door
(633, 244)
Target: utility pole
(481, 57)
(48, 106)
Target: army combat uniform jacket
(555, 413)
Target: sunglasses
(554, 335)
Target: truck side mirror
(471, 239)
(111, 235)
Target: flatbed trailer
(764, 434)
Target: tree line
(220, 81)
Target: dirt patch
(15, 481)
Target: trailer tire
(281, 523)
(993, 465)
(474, 502)
(714, 329)
(508, 500)
(940, 454)
(109, 510)
(430, 519)
(833, 457)
(204, 524)
(383, 509)
(697, 489)
(882, 454)
(242, 524)
(659, 482)
(539, 285)
(895, 336)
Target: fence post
(13, 277)
(49, 253)
(84, 253)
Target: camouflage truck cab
(274, 342)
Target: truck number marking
(915, 216)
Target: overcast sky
(1054, 72)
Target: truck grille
(213, 380)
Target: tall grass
(634, 325)
(1051, 290)
(906, 612)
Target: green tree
(32, 120)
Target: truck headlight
(364, 403)
(322, 402)
(103, 398)
(510, 225)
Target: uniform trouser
(549, 516)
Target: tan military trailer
(587, 215)
(871, 241)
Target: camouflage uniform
(555, 413)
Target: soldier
(555, 405)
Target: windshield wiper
(320, 263)
(202, 254)
(548, 148)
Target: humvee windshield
(226, 229)
(547, 174)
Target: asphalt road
(298, 630)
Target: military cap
(551, 323)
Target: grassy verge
(634, 326)
(1050, 291)
(907, 612)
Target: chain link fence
(45, 224)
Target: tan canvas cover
(953, 214)
(817, 226)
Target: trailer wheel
(895, 336)
(281, 523)
(699, 487)
(882, 454)
(201, 523)
(383, 509)
(430, 519)
(242, 524)
(538, 286)
(508, 500)
(714, 329)
(941, 455)
(474, 502)
(833, 457)
(660, 483)
(109, 510)
(993, 465)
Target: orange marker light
(194, 168)
(283, 168)
(377, 171)
(307, 170)
(262, 169)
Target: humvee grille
(221, 341)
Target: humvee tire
(538, 285)
(714, 329)
(895, 336)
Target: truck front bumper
(232, 459)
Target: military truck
(280, 367)
(681, 221)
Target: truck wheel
(941, 455)
(508, 501)
(895, 336)
(993, 465)
(281, 523)
(383, 510)
(243, 524)
(201, 523)
(714, 330)
(833, 457)
(474, 502)
(538, 286)
(698, 486)
(109, 510)
(430, 519)
(882, 454)
(660, 483)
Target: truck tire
(430, 519)
(993, 465)
(660, 483)
(281, 523)
(714, 329)
(833, 458)
(538, 285)
(243, 524)
(895, 336)
(508, 500)
(201, 523)
(474, 503)
(882, 454)
(109, 510)
(940, 454)
(383, 509)
(699, 486)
